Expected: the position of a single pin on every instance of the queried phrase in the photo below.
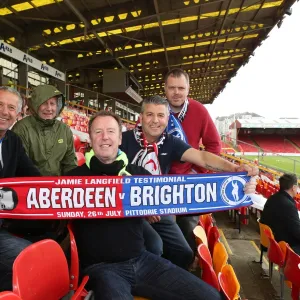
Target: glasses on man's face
(296, 187)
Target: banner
(29, 60)
(120, 197)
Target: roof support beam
(219, 33)
(36, 40)
(12, 25)
(176, 41)
(161, 32)
(105, 46)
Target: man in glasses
(281, 214)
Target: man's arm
(215, 163)
(69, 161)
(25, 165)
(209, 134)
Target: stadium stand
(265, 135)
(273, 143)
(246, 144)
(295, 140)
(227, 34)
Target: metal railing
(278, 162)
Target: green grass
(282, 163)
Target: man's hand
(153, 219)
(250, 186)
(251, 170)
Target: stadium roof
(210, 39)
(266, 123)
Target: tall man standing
(190, 121)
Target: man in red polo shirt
(191, 122)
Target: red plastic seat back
(208, 273)
(74, 267)
(275, 253)
(77, 142)
(292, 267)
(206, 221)
(80, 158)
(41, 272)
(9, 296)
(213, 236)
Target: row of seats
(213, 259)
(295, 139)
(268, 143)
(245, 144)
(48, 278)
(284, 257)
(274, 143)
(45, 260)
(76, 120)
(267, 189)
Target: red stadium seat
(77, 142)
(206, 221)
(208, 273)
(9, 296)
(74, 268)
(80, 158)
(213, 236)
(292, 271)
(48, 278)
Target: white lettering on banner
(71, 198)
(30, 60)
(70, 214)
(69, 181)
(154, 179)
(178, 194)
(153, 212)
(92, 181)
(107, 181)
(141, 212)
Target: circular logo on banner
(232, 190)
(8, 199)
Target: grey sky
(270, 83)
